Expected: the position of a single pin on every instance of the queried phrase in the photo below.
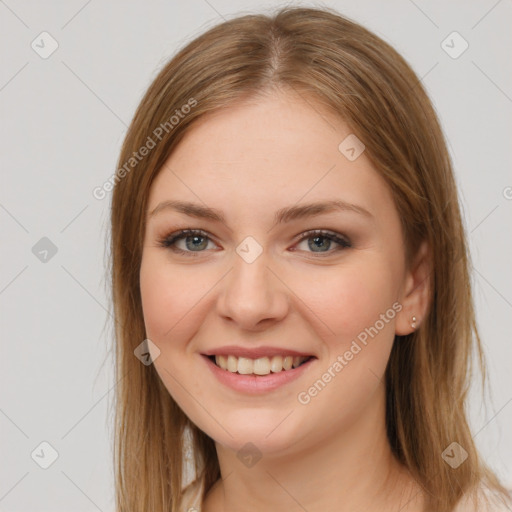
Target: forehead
(268, 152)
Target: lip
(255, 352)
(257, 384)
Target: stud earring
(413, 323)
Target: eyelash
(169, 241)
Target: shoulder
(484, 500)
(192, 496)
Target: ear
(416, 292)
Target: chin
(268, 432)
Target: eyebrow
(283, 215)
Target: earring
(413, 323)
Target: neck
(350, 470)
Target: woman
(290, 269)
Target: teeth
(260, 366)
(222, 361)
(232, 364)
(245, 365)
(276, 364)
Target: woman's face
(257, 287)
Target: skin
(248, 161)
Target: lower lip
(256, 384)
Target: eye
(320, 241)
(196, 241)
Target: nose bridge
(251, 292)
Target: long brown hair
(360, 78)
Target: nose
(252, 295)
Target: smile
(259, 366)
(247, 381)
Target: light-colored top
(192, 500)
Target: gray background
(63, 120)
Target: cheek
(351, 298)
(169, 296)
(168, 299)
(358, 303)
(164, 302)
(158, 304)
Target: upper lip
(255, 352)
